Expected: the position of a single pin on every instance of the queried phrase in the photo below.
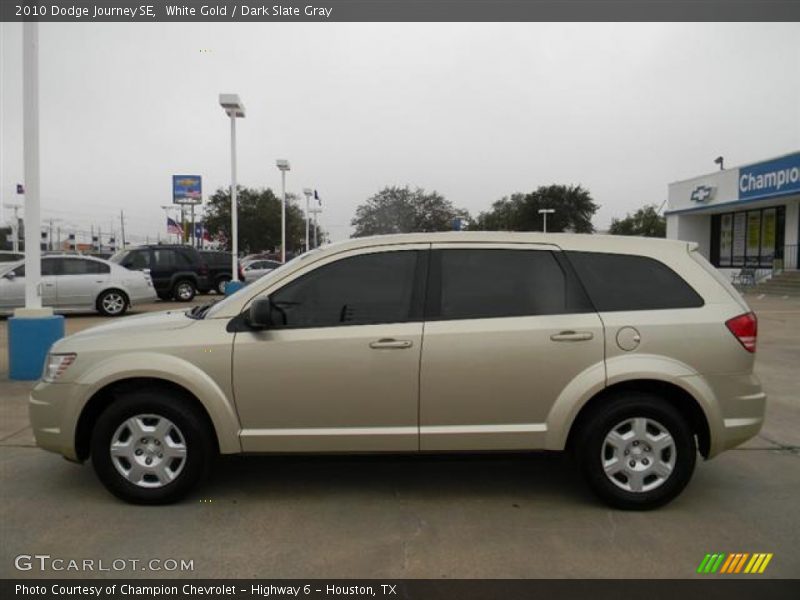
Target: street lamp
(544, 212)
(233, 108)
(283, 166)
(307, 192)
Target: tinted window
(625, 282)
(47, 268)
(76, 266)
(372, 288)
(138, 259)
(164, 257)
(498, 283)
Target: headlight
(56, 365)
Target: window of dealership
(748, 216)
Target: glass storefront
(752, 238)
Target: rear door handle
(390, 343)
(572, 336)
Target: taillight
(745, 329)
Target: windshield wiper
(199, 311)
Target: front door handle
(390, 343)
(572, 336)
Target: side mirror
(11, 276)
(259, 315)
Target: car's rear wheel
(636, 451)
(150, 447)
(112, 303)
(221, 283)
(184, 291)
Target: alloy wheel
(113, 303)
(638, 454)
(148, 450)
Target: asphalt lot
(415, 517)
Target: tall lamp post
(234, 109)
(283, 166)
(544, 212)
(307, 192)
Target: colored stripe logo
(734, 563)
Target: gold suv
(635, 354)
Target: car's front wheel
(636, 451)
(150, 447)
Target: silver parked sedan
(73, 283)
(256, 268)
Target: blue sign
(187, 189)
(772, 178)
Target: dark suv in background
(219, 269)
(177, 271)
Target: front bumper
(53, 412)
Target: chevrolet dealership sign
(702, 193)
(777, 177)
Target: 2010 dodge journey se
(634, 354)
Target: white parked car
(73, 283)
(255, 269)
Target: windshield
(118, 256)
(222, 304)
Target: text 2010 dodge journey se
(634, 354)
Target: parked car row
(73, 282)
(179, 272)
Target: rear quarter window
(621, 282)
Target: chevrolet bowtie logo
(702, 193)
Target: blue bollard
(29, 339)
(231, 287)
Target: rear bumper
(742, 405)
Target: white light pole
(283, 166)
(30, 124)
(307, 193)
(315, 211)
(233, 108)
(544, 212)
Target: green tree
(645, 222)
(402, 210)
(573, 205)
(259, 220)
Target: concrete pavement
(417, 517)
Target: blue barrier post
(231, 287)
(29, 339)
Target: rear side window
(477, 283)
(618, 282)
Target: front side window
(617, 282)
(360, 290)
(478, 283)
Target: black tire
(190, 428)
(592, 451)
(112, 303)
(220, 285)
(184, 290)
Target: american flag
(173, 227)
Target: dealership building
(748, 216)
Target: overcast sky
(473, 111)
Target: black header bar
(159, 11)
